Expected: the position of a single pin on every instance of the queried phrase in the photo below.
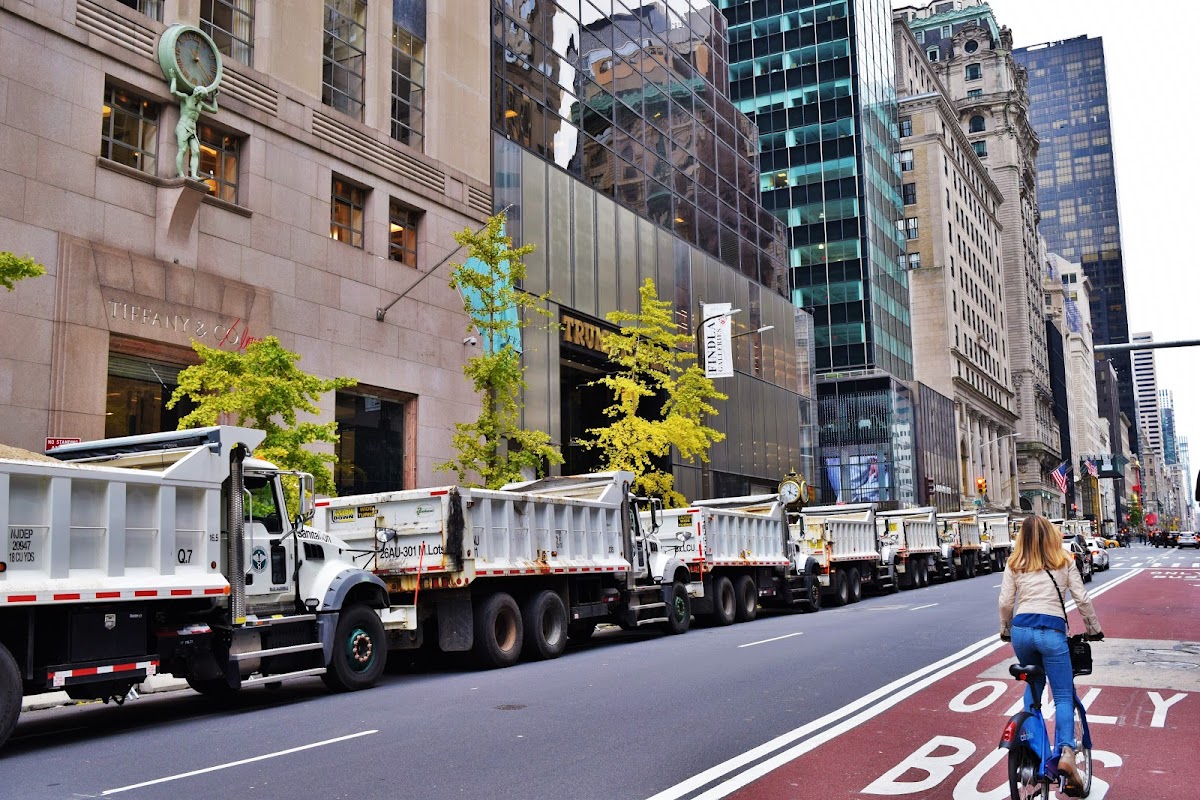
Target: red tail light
(1010, 732)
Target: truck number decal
(391, 552)
(184, 556)
(20, 546)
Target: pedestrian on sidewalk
(1032, 617)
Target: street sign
(58, 441)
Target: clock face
(195, 59)
(789, 491)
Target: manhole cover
(510, 707)
(1166, 664)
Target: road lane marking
(773, 639)
(841, 720)
(918, 608)
(195, 772)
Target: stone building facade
(344, 153)
(955, 262)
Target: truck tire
(545, 622)
(724, 601)
(216, 688)
(499, 634)
(841, 588)
(10, 694)
(580, 631)
(812, 598)
(679, 610)
(951, 570)
(359, 650)
(923, 571)
(747, 598)
(854, 584)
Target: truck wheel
(580, 631)
(812, 598)
(972, 564)
(10, 694)
(841, 588)
(359, 650)
(951, 570)
(679, 610)
(216, 688)
(545, 621)
(923, 566)
(724, 602)
(498, 631)
(747, 598)
(854, 581)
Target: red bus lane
(1143, 701)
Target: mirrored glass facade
(815, 76)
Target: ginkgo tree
(495, 447)
(652, 361)
(261, 387)
(14, 268)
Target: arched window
(976, 124)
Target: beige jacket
(1033, 593)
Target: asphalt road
(624, 716)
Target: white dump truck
(961, 545)
(845, 543)
(173, 553)
(914, 534)
(734, 552)
(995, 540)
(511, 571)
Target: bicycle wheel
(1083, 755)
(1024, 782)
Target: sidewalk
(153, 685)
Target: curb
(153, 685)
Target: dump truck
(844, 542)
(512, 571)
(961, 545)
(914, 534)
(996, 540)
(738, 552)
(173, 553)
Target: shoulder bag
(1078, 645)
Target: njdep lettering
(20, 546)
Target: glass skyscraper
(1077, 190)
(815, 76)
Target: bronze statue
(186, 136)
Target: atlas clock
(789, 491)
(192, 55)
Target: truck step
(283, 676)
(254, 622)
(275, 651)
(648, 605)
(642, 622)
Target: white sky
(1151, 91)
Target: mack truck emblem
(110, 621)
(258, 559)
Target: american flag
(1060, 477)
(1091, 468)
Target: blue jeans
(1048, 649)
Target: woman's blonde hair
(1039, 546)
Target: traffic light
(981, 486)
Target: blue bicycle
(1032, 760)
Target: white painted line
(997, 586)
(918, 608)
(773, 639)
(1138, 564)
(237, 763)
(884, 697)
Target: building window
(921, 36)
(906, 160)
(137, 397)
(230, 23)
(974, 72)
(905, 126)
(914, 260)
(408, 87)
(344, 57)
(910, 228)
(910, 193)
(402, 233)
(219, 162)
(933, 54)
(947, 31)
(347, 202)
(370, 448)
(974, 92)
(971, 46)
(980, 148)
(976, 124)
(129, 131)
(151, 8)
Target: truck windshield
(263, 505)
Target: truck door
(270, 562)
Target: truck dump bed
(118, 524)
(454, 534)
(963, 528)
(846, 532)
(997, 528)
(736, 531)
(915, 528)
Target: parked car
(1188, 539)
(1099, 553)
(1076, 545)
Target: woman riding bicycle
(1039, 571)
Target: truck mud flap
(456, 623)
(455, 528)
